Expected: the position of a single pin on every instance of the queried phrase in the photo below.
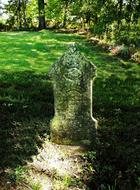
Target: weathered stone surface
(72, 77)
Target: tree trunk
(24, 14)
(120, 6)
(65, 14)
(41, 11)
(0, 8)
(19, 16)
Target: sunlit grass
(26, 94)
(37, 51)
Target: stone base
(69, 132)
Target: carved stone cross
(72, 77)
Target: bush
(136, 57)
(2, 26)
(128, 36)
(121, 51)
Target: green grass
(36, 51)
(26, 100)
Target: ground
(59, 167)
(26, 107)
(55, 167)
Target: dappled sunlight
(27, 105)
(38, 50)
(58, 163)
(15, 33)
(61, 159)
(24, 114)
(32, 51)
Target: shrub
(136, 57)
(121, 51)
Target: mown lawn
(26, 100)
(36, 51)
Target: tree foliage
(117, 20)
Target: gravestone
(72, 77)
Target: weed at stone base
(36, 186)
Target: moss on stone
(71, 76)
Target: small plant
(136, 57)
(108, 187)
(138, 181)
(36, 186)
(18, 174)
(64, 183)
(111, 187)
(67, 181)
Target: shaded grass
(26, 96)
(36, 51)
(26, 105)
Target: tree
(41, 12)
(59, 10)
(24, 5)
(17, 13)
(66, 4)
(0, 8)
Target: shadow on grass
(115, 158)
(117, 109)
(26, 106)
(26, 97)
(26, 100)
